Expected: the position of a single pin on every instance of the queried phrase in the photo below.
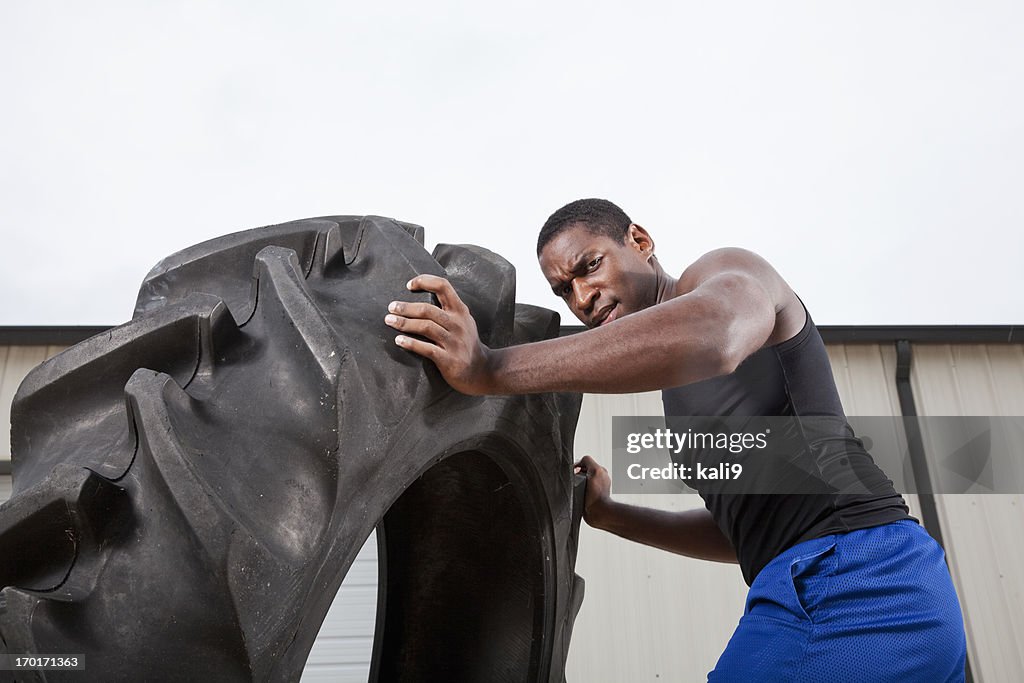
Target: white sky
(873, 151)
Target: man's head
(598, 261)
(599, 216)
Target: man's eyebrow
(559, 283)
(579, 263)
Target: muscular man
(843, 586)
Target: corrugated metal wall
(341, 653)
(984, 533)
(5, 487)
(649, 615)
(15, 362)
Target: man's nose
(583, 293)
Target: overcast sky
(872, 151)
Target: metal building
(652, 616)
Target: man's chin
(613, 315)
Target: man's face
(600, 279)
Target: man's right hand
(685, 532)
(599, 490)
(452, 341)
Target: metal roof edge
(888, 334)
(46, 335)
(43, 335)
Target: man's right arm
(692, 533)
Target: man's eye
(594, 264)
(565, 290)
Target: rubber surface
(191, 487)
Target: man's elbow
(726, 359)
(711, 359)
(726, 352)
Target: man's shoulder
(750, 267)
(728, 260)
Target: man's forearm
(648, 350)
(692, 533)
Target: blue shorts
(870, 605)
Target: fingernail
(400, 340)
(390, 319)
(393, 307)
(408, 284)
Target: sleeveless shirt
(792, 378)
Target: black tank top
(792, 378)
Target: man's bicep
(742, 286)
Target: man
(843, 586)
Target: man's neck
(665, 285)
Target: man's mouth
(607, 315)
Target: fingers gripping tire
(191, 487)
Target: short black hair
(599, 216)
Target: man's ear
(640, 239)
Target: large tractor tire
(191, 487)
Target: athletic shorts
(865, 606)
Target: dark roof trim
(16, 335)
(45, 335)
(889, 334)
(935, 334)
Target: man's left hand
(453, 343)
